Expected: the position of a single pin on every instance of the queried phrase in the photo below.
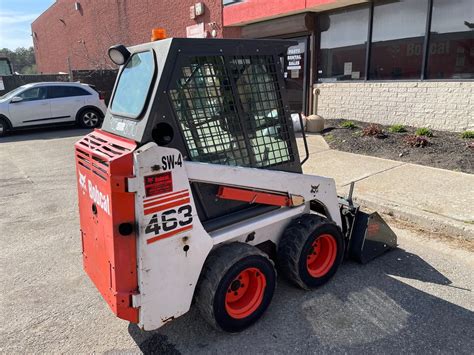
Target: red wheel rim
(321, 255)
(245, 293)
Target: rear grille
(95, 151)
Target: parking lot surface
(418, 298)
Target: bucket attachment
(371, 237)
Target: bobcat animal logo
(314, 189)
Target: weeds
(423, 131)
(348, 125)
(467, 135)
(374, 130)
(397, 128)
(416, 141)
(329, 137)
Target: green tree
(22, 59)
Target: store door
(295, 65)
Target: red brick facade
(68, 38)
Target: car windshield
(12, 93)
(133, 86)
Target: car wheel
(3, 127)
(89, 118)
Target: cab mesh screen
(230, 111)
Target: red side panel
(248, 11)
(266, 198)
(103, 162)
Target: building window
(451, 47)
(344, 45)
(398, 34)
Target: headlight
(119, 54)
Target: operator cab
(219, 104)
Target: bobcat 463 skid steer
(193, 190)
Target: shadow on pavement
(43, 134)
(364, 309)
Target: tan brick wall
(445, 106)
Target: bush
(424, 132)
(348, 124)
(467, 135)
(397, 128)
(416, 141)
(374, 130)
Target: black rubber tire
(83, 117)
(296, 243)
(222, 266)
(5, 127)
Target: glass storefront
(451, 49)
(402, 39)
(398, 34)
(343, 45)
(294, 71)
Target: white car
(41, 104)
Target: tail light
(101, 96)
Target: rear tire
(4, 127)
(89, 118)
(236, 287)
(310, 251)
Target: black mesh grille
(231, 111)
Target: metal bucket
(371, 237)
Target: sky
(16, 17)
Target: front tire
(310, 251)
(89, 118)
(236, 287)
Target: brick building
(405, 61)
(72, 35)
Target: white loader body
(172, 244)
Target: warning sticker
(158, 184)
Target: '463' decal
(170, 222)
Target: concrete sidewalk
(435, 199)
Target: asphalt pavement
(416, 299)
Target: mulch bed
(445, 150)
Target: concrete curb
(425, 220)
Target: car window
(38, 93)
(75, 91)
(12, 93)
(133, 85)
(56, 92)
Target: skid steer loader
(193, 191)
